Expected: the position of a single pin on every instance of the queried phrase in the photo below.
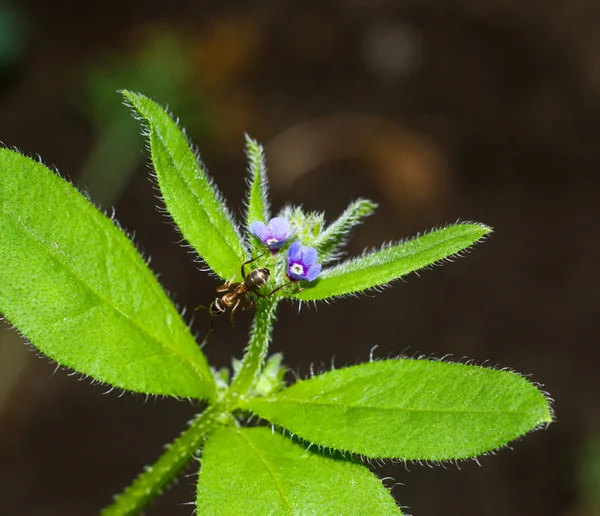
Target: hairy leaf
(390, 263)
(329, 241)
(76, 287)
(257, 471)
(409, 409)
(258, 208)
(258, 199)
(189, 194)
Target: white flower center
(297, 268)
(271, 241)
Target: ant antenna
(212, 321)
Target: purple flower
(274, 234)
(302, 263)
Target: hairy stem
(151, 482)
(256, 352)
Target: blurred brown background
(484, 110)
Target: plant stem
(150, 483)
(256, 352)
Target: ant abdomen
(257, 279)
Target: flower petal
(295, 276)
(302, 264)
(279, 228)
(309, 256)
(294, 253)
(275, 246)
(313, 272)
(260, 231)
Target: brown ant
(236, 294)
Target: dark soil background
(483, 110)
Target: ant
(236, 294)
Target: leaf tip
(485, 229)
(134, 100)
(126, 93)
(479, 230)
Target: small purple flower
(302, 263)
(274, 234)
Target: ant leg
(212, 326)
(237, 303)
(226, 286)
(265, 296)
(210, 313)
(212, 321)
(279, 288)
(229, 286)
(210, 330)
(248, 262)
(247, 303)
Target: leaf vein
(271, 474)
(390, 409)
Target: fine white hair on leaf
(332, 365)
(372, 352)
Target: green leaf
(76, 287)
(390, 263)
(409, 409)
(258, 199)
(189, 194)
(258, 471)
(329, 241)
(258, 208)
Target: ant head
(216, 307)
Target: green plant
(75, 286)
